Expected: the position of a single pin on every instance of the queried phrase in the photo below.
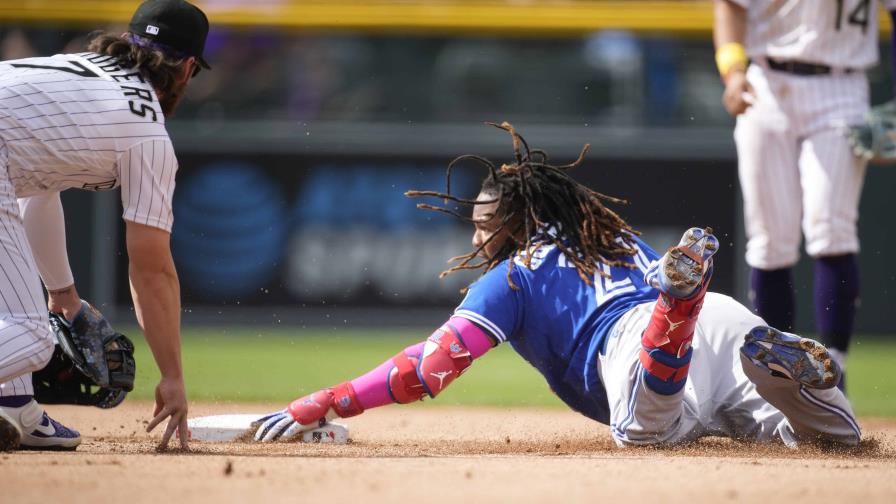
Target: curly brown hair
(159, 66)
(533, 198)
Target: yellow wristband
(731, 56)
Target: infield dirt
(439, 454)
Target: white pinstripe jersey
(81, 121)
(837, 33)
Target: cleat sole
(800, 359)
(9, 435)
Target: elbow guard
(443, 359)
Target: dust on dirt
(435, 453)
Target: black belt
(802, 68)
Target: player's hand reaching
(738, 94)
(309, 412)
(171, 402)
(303, 414)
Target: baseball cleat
(10, 437)
(683, 269)
(37, 431)
(802, 360)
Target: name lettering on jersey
(606, 286)
(538, 255)
(142, 106)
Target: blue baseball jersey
(556, 321)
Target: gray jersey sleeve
(146, 172)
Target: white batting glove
(281, 426)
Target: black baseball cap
(176, 24)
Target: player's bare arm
(147, 70)
(156, 292)
(729, 33)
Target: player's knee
(42, 357)
(35, 342)
(830, 240)
(770, 253)
(45, 345)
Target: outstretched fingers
(160, 413)
(169, 431)
(177, 422)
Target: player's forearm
(729, 29)
(374, 388)
(156, 296)
(156, 292)
(729, 23)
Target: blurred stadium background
(294, 243)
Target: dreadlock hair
(538, 204)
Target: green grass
(871, 382)
(247, 365)
(260, 366)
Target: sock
(16, 401)
(773, 297)
(836, 294)
(666, 343)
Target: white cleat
(37, 431)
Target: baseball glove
(875, 140)
(92, 364)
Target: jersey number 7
(82, 70)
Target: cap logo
(154, 30)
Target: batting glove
(309, 412)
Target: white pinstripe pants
(723, 396)
(796, 168)
(25, 341)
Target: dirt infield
(439, 454)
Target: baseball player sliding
(94, 121)
(624, 337)
(794, 76)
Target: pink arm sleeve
(372, 389)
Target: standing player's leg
(25, 341)
(832, 180)
(767, 152)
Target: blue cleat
(684, 269)
(802, 360)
